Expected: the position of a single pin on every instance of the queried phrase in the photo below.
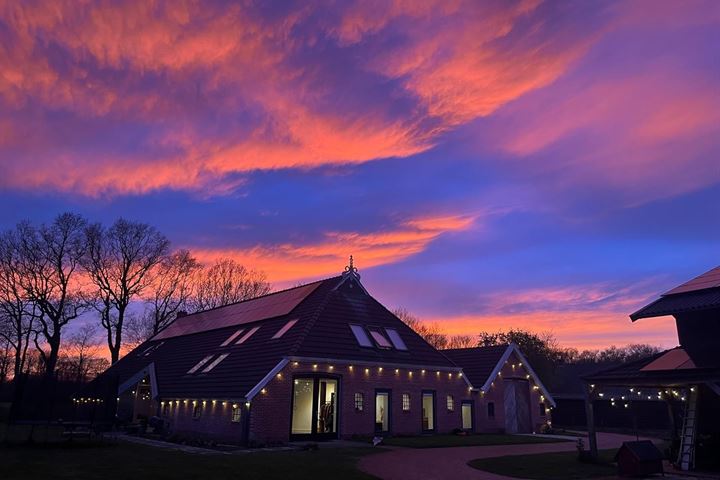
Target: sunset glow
(551, 166)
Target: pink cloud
(293, 262)
(185, 70)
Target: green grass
(557, 466)
(440, 441)
(123, 461)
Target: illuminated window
(360, 335)
(406, 402)
(450, 403)
(200, 364)
(379, 338)
(491, 409)
(285, 328)
(235, 414)
(196, 411)
(231, 338)
(247, 335)
(359, 402)
(215, 362)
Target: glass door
(314, 408)
(428, 411)
(382, 411)
(467, 416)
(326, 406)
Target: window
(406, 402)
(450, 403)
(359, 402)
(231, 338)
(247, 335)
(166, 409)
(360, 335)
(196, 411)
(466, 415)
(491, 409)
(542, 409)
(235, 413)
(199, 364)
(380, 339)
(395, 339)
(285, 328)
(215, 362)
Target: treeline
(125, 275)
(542, 349)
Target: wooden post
(592, 438)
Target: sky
(551, 166)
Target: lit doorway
(382, 411)
(314, 408)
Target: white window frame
(406, 402)
(199, 364)
(361, 336)
(375, 333)
(284, 329)
(232, 337)
(450, 403)
(395, 339)
(215, 362)
(235, 414)
(247, 335)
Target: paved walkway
(451, 463)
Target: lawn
(439, 441)
(124, 461)
(558, 466)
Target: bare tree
(49, 260)
(226, 282)
(431, 332)
(16, 311)
(171, 290)
(119, 261)
(80, 361)
(6, 359)
(462, 341)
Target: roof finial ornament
(351, 267)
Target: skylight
(285, 328)
(380, 339)
(200, 364)
(360, 335)
(231, 338)
(395, 339)
(247, 335)
(215, 362)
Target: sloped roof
(322, 331)
(477, 363)
(709, 279)
(700, 293)
(481, 365)
(659, 370)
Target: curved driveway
(451, 463)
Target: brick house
(323, 360)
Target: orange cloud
(221, 90)
(291, 262)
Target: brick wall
(271, 411)
(269, 414)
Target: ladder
(686, 455)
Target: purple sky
(551, 166)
